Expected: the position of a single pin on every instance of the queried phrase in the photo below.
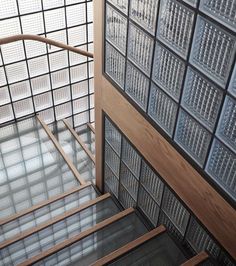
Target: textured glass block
(200, 240)
(52, 4)
(144, 12)
(17, 72)
(125, 199)
(40, 84)
(191, 2)
(232, 85)
(174, 209)
(2, 77)
(33, 24)
(112, 159)
(75, 15)
(63, 110)
(221, 166)
(38, 66)
(55, 19)
(43, 101)
(116, 28)
(8, 9)
(10, 27)
(128, 180)
(60, 78)
(162, 109)
(23, 107)
(73, 34)
(212, 50)
(201, 98)
(131, 158)
(223, 11)
(29, 6)
(175, 25)
(151, 182)
(58, 60)
(6, 113)
(61, 95)
(192, 137)
(122, 5)
(112, 136)
(137, 86)
(115, 65)
(225, 260)
(111, 180)
(226, 129)
(140, 48)
(20, 90)
(148, 205)
(13, 52)
(168, 71)
(4, 95)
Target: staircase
(51, 212)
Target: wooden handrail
(130, 246)
(200, 257)
(23, 37)
(91, 127)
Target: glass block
(33, 24)
(79, 89)
(63, 111)
(75, 15)
(55, 19)
(151, 182)
(140, 48)
(34, 48)
(76, 59)
(148, 206)
(122, 5)
(40, 84)
(137, 86)
(144, 13)
(125, 198)
(80, 105)
(201, 98)
(78, 73)
(52, 4)
(9, 27)
(90, 37)
(176, 212)
(61, 95)
(6, 113)
(131, 158)
(116, 28)
(4, 95)
(77, 35)
(111, 180)
(29, 6)
(17, 72)
(20, 90)
(226, 129)
(58, 60)
(23, 107)
(13, 52)
(192, 137)
(221, 166)
(112, 136)
(90, 11)
(223, 11)
(175, 26)
(60, 78)
(112, 159)
(128, 180)
(191, 2)
(115, 65)
(8, 9)
(2, 77)
(168, 71)
(47, 115)
(200, 240)
(225, 260)
(43, 101)
(162, 109)
(38, 66)
(81, 119)
(212, 50)
(232, 85)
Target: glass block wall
(175, 62)
(38, 78)
(135, 184)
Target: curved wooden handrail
(23, 37)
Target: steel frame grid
(183, 243)
(11, 102)
(225, 92)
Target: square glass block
(81, 119)
(75, 15)
(29, 6)
(35, 48)
(151, 182)
(9, 27)
(125, 198)
(175, 26)
(8, 9)
(232, 84)
(162, 109)
(76, 59)
(80, 105)
(131, 158)
(79, 89)
(140, 48)
(128, 180)
(77, 35)
(38, 66)
(13, 52)
(111, 180)
(168, 71)
(223, 11)
(20, 90)
(2, 77)
(89, 12)
(17, 72)
(148, 205)
(4, 95)
(137, 86)
(116, 28)
(60, 36)
(60, 78)
(23, 107)
(63, 110)
(144, 12)
(112, 136)
(55, 19)
(115, 65)
(78, 73)
(192, 137)
(112, 159)
(176, 212)
(226, 129)
(58, 60)
(40, 84)
(201, 98)
(33, 24)
(191, 2)
(213, 50)
(122, 5)
(47, 4)
(200, 240)
(221, 166)
(6, 113)
(61, 95)
(43, 101)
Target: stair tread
(56, 233)
(74, 151)
(31, 168)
